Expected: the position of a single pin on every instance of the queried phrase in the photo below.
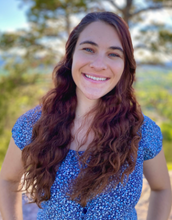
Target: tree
(26, 54)
(154, 37)
(41, 46)
(50, 13)
(51, 16)
(52, 21)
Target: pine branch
(115, 5)
(141, 46)
(155, 7)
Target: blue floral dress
(118, 203)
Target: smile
(95, 78)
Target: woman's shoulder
(149, 126)
(29, 118)
(151, 140)
(22, 129)
(33, 114)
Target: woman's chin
(93, 97)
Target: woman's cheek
(81, 57)
(118, 67)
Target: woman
(86, 146)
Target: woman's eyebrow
(89, 42)
(93, 43)
(117, 48)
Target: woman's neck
(84, 105)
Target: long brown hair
(116, 126)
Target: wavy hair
(113, 152)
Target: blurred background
(32, 38)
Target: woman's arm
(156, 173)
(10, 176)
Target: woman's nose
(98, 63)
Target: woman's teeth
(95, 78)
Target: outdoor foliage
(30, 55)
(154, 92)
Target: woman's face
(98, 61)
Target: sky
(11, 16)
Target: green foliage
(21, 84)
(7, 40)
(10, 88)
(154, 92)
(153, 89)
(42, 9)
(20, 90)
(165, 35)
(169, 166)
(53, 18)
(167, 150)
(166, 128)
(4, 140)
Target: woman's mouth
(95, 78)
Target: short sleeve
(22, 129)
(151, 138)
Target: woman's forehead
(100, 33)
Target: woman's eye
(88, 50)
(113, 55)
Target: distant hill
(160, 68)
